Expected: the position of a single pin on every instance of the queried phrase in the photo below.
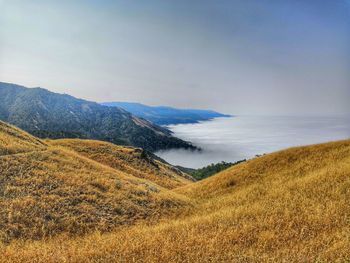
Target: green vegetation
(211, 169)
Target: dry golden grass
(290, 206)
(14, 140)
(47, 190)
(127, 159)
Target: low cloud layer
(243, 137)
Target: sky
(280, 57)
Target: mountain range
(163, 115)
(50, 115)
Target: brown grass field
(88, 201)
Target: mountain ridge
(165, 115)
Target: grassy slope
(48, 189)
(129, 160)
(290, 206)
(14, 141)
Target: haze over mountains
(51, 115)
(163, 115)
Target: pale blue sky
(243, 57)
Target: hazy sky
(235, 56)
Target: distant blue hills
(163, 115)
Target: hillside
(50, 115)
(289, 206)
(130, 160)
(163, 115)
(47, 189)
(13, 140)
